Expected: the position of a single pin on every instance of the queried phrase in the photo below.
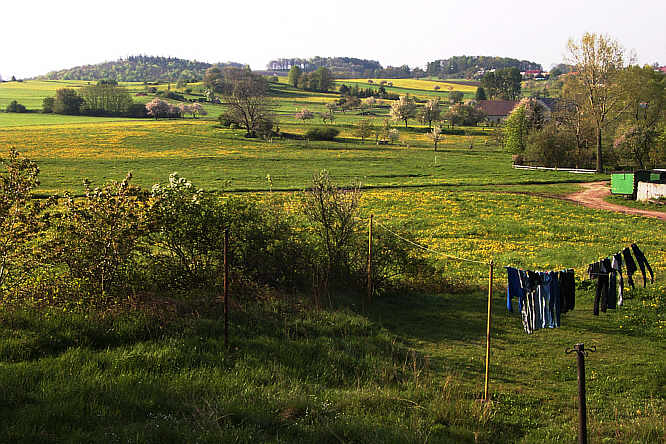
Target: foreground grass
(409, 370)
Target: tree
(246, 101)
(158, 108)
(105, 99)
(404, 109)
(198, 109)
(456, 96)
(464, 114)
(304, 114)
(515, 131)
(364, 128)
(15, 107)
(67, 101)
(431, 112)
(295, 76)
(502, 83)
(598, 60)
(436, 135)
(644, 97)
(47, 105)
(480, 94)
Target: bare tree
(246, 100)
(598, 60)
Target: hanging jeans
(555, 300)
(642, 263)
(513, 288)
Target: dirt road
(593, 193)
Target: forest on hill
(467, 66)
(345, 67)
(139, 68)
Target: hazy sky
(41, 36)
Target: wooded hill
(467, 66)
(139, 68)
(342, 67)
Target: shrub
(97, 238)
(322, 133)
(174, 96)
(15, 107)
(20, 216)
(137, 110)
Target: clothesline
(430, 250)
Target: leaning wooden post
(369, 297)
(226, 289)
(490, 302)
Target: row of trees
(319, 80)
(502, 84)
(607, 111)
(105, 98)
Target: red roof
(533, 71)
(662, 69)
(497, 107)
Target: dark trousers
(601, 297)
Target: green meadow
(410, 369)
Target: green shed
(625, 182)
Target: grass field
(408, 370)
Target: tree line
(467, 66)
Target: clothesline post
(226, 289)
(490, 302)
(369, 295)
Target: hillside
(138, 69)
(467, 66)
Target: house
(497, 110)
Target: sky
(42, 36)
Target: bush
(15, 107)
(137, 110)
(97, 239)
(322, 133)
(174, 96)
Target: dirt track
(593, 193)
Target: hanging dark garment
(630, 264)
(612, 285)
(601, 297)
(616, 264)
(567, 290)
(642, 263)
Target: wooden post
(490, 302)
(369, 297)
(226, 289)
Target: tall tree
(480, 93)
(404, 109)
(431, 112)
(247, 102)
(295, 75)
(598, 60)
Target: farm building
(497, 110)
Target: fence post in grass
(581, 352)
(369, 297)
(490, 301)
(226, 288)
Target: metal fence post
(581, 352)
